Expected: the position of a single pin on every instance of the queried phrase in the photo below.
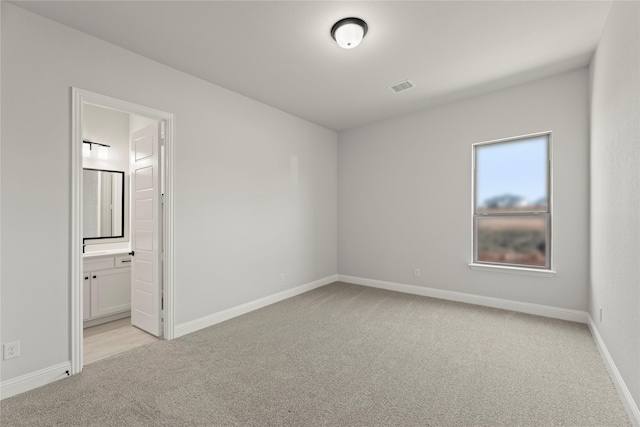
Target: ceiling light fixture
(349, 32)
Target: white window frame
(545, 271)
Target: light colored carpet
(344, 355)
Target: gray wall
(239, 222)
(404, 198)
(615, 191)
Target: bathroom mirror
(102, 204)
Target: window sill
(513, 270)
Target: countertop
(111, 252)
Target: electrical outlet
(11, 350)
(416, 272)
(282, 277)
(600, 310)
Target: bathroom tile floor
(112, 338)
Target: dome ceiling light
(349, 32)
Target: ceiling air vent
(399, 87)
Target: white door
(146, 244)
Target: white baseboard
(34, 380)
(221, 316)
(623, 390)
(505, 304)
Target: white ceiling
(281, 52)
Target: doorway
(135, 242)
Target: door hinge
(162, 303)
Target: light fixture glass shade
(103, 153)
(349, 32)
(86, 150)
(349, 36)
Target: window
(512, 203)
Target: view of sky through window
(512, 174)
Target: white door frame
(80, 97)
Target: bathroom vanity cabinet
(106, 288)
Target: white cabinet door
(110, 291)
(86, 296)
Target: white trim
(77, 321)
(221, 316)
(35, 379)
(79, 97)
(512, 270)
(168, 277)
(513, 138)
(505, 304)
(618, 381)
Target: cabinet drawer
(123, 261)
(97, 264)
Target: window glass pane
(512, 239)
(512, 176)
